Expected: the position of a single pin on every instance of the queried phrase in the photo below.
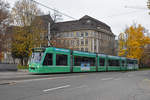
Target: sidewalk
(9, 77)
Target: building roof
(45, 19)
(84, 23)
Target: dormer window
(98, 27)
(88, 21)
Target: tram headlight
(38, 66)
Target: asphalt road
(133, 85)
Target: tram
(59, 60)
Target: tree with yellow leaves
(27, 34)
(132, 42)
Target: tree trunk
(21, 61)
(26, 61)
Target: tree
(132, 42)
(4, 21)
(4, 15)
(24, 12)
(27, 34)
(56, 16)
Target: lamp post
(49, 35)
(148, 5)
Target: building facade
(86, 34)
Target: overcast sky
(111, 12)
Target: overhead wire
(53, 9)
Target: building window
(77, 42)
(86, 34)
(86, 49)
(68, 34)
(88, 21)
(86, 41)
(64, 35)
(100, 36)
(77, 34)
(61, 60)
(72, 34)
(64, 42)
(95, 48)
(82, 42)
(68, 42)
(82, 49)
(94, 41)
(82, 34)
(93, 33)
(72, 42)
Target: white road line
(118, 78)
(56, 88)
(30, 80)
(40, 79)
(106, 79)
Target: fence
(8, 67)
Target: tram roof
(131, 59)
(113, 57)
(123, 58)
(53, 49)
(102, 55)
(80, 53)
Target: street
(132, 85)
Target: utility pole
(148, 5)
(49, 34)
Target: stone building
(85, 34)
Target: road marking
(104, 79)
(118, 78)
(30, 80)
(146, 79)
(56, 88)
(79, 87)
(52, 78)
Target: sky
(112, 12)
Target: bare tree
(4, 22)
(56, 16)
(24, 12)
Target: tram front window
(36, 57)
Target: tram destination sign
(61, 50)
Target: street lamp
(148, 5)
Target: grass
(22, 67)
(146, 68)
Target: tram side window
(61, 60)
(78, 60)
(130, 62)
(91, 61)
(113, 62)
(136, 62)
(102, 62)
(123, 63)
(48, 59)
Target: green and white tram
(58, 60)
